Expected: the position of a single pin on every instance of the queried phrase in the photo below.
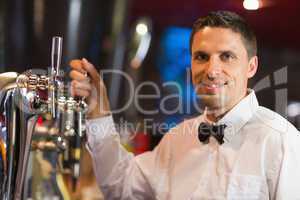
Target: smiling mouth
(213, 85)
(212, 88)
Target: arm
(116, 170)
(120, 174)
(283, 164)
(289, 176)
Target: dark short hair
(230, 20)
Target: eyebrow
(229, 51)
(198, 52)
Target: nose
(213, 69)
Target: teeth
(214, 85)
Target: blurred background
(149, 40)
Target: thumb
(91, 70)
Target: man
(258, 157)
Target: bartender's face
(220, 67)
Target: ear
(252, 67)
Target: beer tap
(31, 94)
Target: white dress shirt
(260, 159)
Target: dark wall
(30, 25)
(1, 36)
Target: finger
(77, 65)
(81, 85)
(91, 70)
(80, 92)
(76, 75)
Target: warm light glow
(141, 29)
(251, 4)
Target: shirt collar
(240, 114)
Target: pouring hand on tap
(88, 83)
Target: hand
(86, 82)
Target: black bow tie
(205, 130)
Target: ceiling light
(141, 29)
(251, 4)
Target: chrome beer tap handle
(82, 108)
(55, 82)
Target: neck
(215, 114)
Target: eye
(227, 56)
(202, 57)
